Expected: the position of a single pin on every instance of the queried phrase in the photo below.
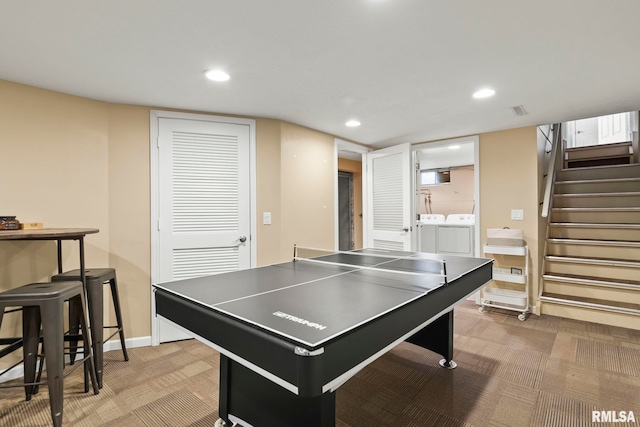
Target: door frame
(476, 178)
(155, 175)
(340, 145)
(349, 176)
(407, 194)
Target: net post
(444, 271)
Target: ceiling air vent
(519, 110)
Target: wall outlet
(517, 214)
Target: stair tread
(598, 180)
(588, 260)
(593, 225)
(621, 209)
(606, 303)
(609, 194)
(602, 167)
(594, 242)
(575, 277)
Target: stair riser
(596, 202)
(589, 291)
(627, 217)
(594, 251)
(591, 315)
(630, 171)
(604, 272)
(597, 187)
(595, 233)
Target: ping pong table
(290, 334)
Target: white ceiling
(405, 68)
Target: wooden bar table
(57, 234)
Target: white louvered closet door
(204, 198)
(389, 198)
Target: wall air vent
(519, 110)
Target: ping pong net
(408, 263)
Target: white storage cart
(508, 299)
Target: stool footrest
(113, 334)
(66, 374)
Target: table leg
(223, 401)
(258, 401)
(83, 274)
(437, 336)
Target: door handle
(405, 229)
(242, 239)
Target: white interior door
(614, 128)
(204, 215)
(586, 132)
(388, 218)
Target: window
(435, 176)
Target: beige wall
(454, 198)
(268, 190)
(295, 182)
(355, 167)
(509, 180)
(307, 185)
(129, 214)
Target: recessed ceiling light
(454, 147)
(217, 75)
(484, 93)
(352, 123)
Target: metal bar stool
(96, 278)
(43, 305)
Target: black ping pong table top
(310, 303)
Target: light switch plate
(517, 214)
(266, 218)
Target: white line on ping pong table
(355, 268)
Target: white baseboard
(18, 371)
(114, 344)
(13, 374)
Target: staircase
(592, 262)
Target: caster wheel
(522, 317)
(220, 423)
(450, 365)
(481, 309)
